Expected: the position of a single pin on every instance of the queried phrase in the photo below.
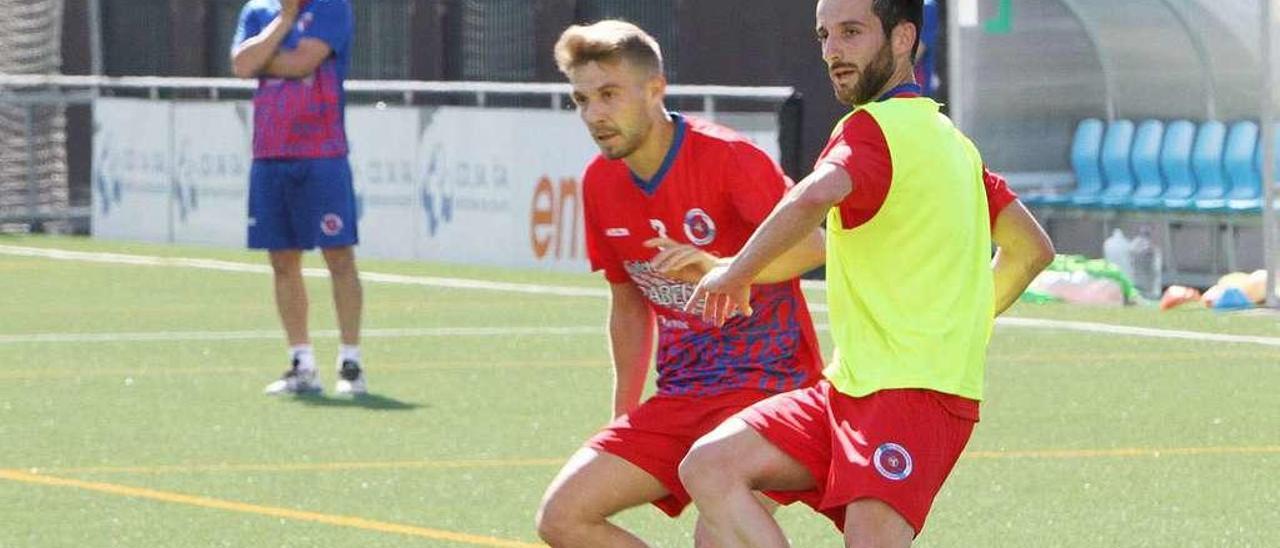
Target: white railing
(22, 84)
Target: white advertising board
(132, 161)
(212, 144)
(502, 187)
(483, 186)
(384, 145)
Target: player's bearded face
(870, 79)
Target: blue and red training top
(301, 118)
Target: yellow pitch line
(1121, 452)
(232, 506)
(304, 466)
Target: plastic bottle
(1144, 257)
(1116, 251)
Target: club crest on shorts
(699, 227)
(892, 461)
(331, 224)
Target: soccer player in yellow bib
(912, 291)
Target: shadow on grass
(365, 401)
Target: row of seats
(1173, 167)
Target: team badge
(892, 461)
(331, 224)
(699, 227)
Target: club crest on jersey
(892, 461)
(331, 224)
(699, 227)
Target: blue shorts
(301, 204)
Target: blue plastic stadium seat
(1206, 166)
(1175, 163)
(1116, 171)
(1246, 176)
(1145, 160)
(1117, 164)
(1085, 148)
(1175, 166)
(1206, 162)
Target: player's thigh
(599, 484)
(736, 449)
(270, 224)
(327, 203)
(873, 523)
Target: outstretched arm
(801, 212)
(689, 263)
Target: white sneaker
(296, 380)
(350, 379)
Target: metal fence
(37, 94)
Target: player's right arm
(727, 287)
(631, 335)
(252, 53)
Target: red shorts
(657, 435)
(896, 446)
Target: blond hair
(608, 41)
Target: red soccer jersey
(713, 189)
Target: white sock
(348, 352)
(304, 354)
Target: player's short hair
(608, 41)
(893, 12)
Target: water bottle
(1144, 257)
(1116, 250)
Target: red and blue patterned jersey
(301, 118)
(713, 189)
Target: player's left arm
(1022, 247)
(299, 62)
(727, 287)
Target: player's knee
(341, 261)
(556, 521)
(706, 469)
(286, 263)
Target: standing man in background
(300, 190)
